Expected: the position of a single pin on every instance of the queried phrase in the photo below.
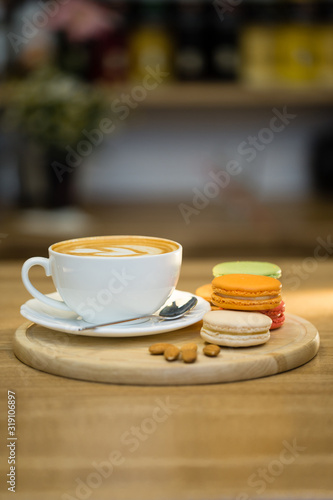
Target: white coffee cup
(113, 285)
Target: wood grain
(215, 440)
(127, 360)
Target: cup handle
(45, 263)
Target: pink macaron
(277, 315)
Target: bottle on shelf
(296, 61)
(190, 53)
(150, 42)
(257, 42)
(3, 42)
(111, 50)
(323, 40)
(223, 51)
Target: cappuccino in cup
(119, 246)
(109, 278)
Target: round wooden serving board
(127, 360)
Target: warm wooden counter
(216, 441)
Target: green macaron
(247, 267)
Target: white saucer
(68, 322)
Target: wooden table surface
(264, 438)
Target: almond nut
(158, 348)
(189, 347)
(189, 355)
(171, 353)
(211, 350)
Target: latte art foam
(115, 246)
(117, 251)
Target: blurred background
(208, 122)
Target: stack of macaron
(244, 287)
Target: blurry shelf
(217, 95)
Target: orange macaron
(246, 292)
(206, 291)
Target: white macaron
(235, 328)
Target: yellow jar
(323, 43)
(296, 58)
(257, 44)
(150, 46)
